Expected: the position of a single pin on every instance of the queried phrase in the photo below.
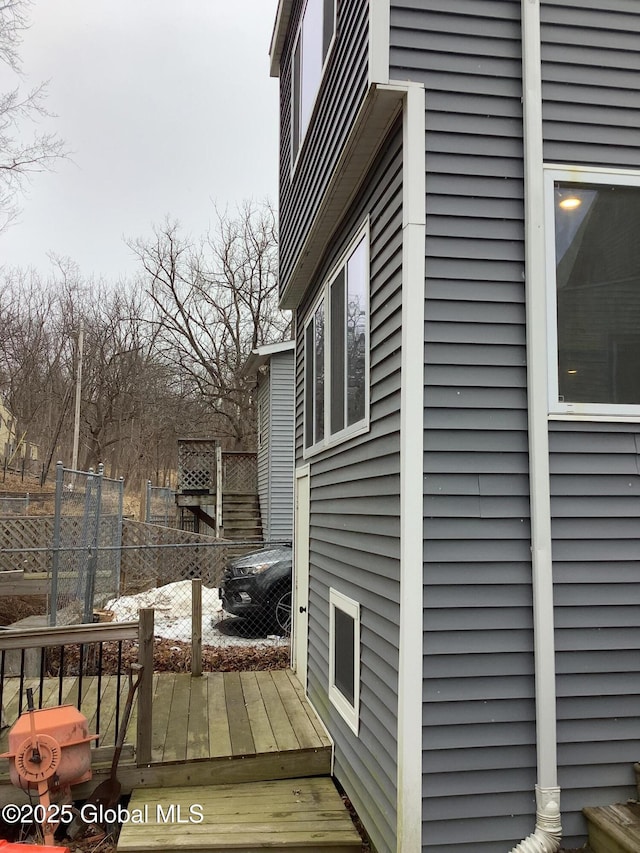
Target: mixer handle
(30, 705)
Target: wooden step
(615, 828)
(295, 815)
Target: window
(344, 656)
(336, 378)
(593, 242)
(316, 31)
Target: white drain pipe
(548, 829)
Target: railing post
(55, 551)
(145, 691)
(92, 561)
(196, 627)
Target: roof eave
(283, 15)
(377, 114)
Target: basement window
(344, 657)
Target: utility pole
(76, 423)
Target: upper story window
(594, 269)
(315, 34)
(336, 353)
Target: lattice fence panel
(24, 534)
(239, 473)
(197, 465)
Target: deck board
(263, 735)
(175, 745)
(161, 710)
(242, 742)
(283, 730)
(198, 726)
(219, 735)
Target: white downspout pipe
(548, 829)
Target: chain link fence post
(55, 557)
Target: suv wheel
(281, 611)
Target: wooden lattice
(239, 473)
(197, 465)
(24, 534)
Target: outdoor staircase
(240, 762)
(241, 519)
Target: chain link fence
(14, 505)
(87, 531)
(160, 506)
(101, 566)
(246, 585)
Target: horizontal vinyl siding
(281, 431)
(595, 484)
(354, 524)
(591, 99)
(263, 453)
(591, 82)
(479, 754)
(341, 94)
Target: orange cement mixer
(49, 750)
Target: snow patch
(172, 620)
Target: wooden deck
(231, 727)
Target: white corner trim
(379, 34)
(409, 783)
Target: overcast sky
(167, 106)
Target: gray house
(272, 367)
(460, 210)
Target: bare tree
(20, 155)
(215, 301)
(31, 353)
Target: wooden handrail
(33, 638)
(62, 635)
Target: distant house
(14, 447)
(272, 366)
(459, 220)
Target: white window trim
(350, 713)
(295, 155)
(360, 427)
(559, 410)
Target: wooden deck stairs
(239, 761)
(241, 518)
(614, 828)
(269, 786)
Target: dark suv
(258, 586)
